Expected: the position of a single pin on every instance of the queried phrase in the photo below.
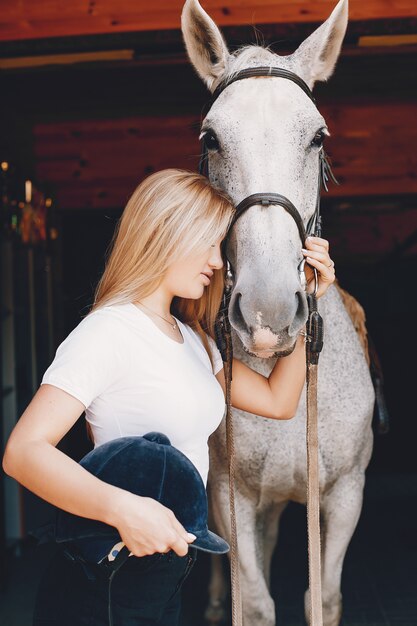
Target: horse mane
(357, 315)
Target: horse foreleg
(340, 511)
(270, 523)
(257, 604)
(218, 589)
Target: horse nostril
(236, 314)
(301, 314)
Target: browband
(263, 71)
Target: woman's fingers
(325, 279)
(317, 256)
(146, 526)
(320, 256)
(318, 249)
(325, 271)
(316, 243)
(180, 530)
(179, 546)
(179, 538)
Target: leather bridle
(270, 198)
(314, 344)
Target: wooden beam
(59, 18)
(103, 56)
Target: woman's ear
(316, 57)
(205, 45)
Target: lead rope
(224, 339)
(314, 345)
(234, 551)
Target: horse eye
(318, 138)
(211, 140)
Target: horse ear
(316, 57)
(204, 42)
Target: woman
(144, 360)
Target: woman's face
(188, 276)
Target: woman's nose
(216, 261)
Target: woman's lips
(205, 278)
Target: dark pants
(144, 592)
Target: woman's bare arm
(275, 397)
(33, 460)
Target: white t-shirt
(133, 379)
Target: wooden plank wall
(27, 19)
(94, 163)
(97, 164)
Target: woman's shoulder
(104, 324)
(109, 314)
(94, 355)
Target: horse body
(262, 137)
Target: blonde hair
(171, 214)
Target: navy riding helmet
(147, 466)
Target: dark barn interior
(97, 95)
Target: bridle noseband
(314, 225)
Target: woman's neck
(159, 302)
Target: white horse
(263, 134)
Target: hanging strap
(314, 345)
(224, 341)
(234, 551)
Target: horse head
(265, 135)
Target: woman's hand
(317, 256)
(146, 526)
